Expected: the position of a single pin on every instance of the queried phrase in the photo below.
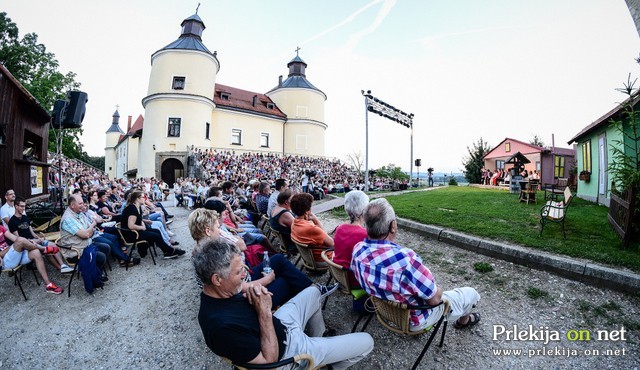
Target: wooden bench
(556, 211)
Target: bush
(482, 267)
(535, 293)
(453, 182)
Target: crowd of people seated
(255, 315)
(94, 206)
(256, 306)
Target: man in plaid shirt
(391, 272)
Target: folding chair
(16, 272)
(297, 359)
(308, 259)
(68, 260)
(131, 239)
(395, 316)
(341, 275)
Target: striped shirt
(391, 272)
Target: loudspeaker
(58, 113)
(418, 162)
(75, 109)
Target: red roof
(239, 99)
(135, 129)
(137, 125)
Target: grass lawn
(498, 215)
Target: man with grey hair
(242, 328)
(391, 272)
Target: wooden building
(24, 137)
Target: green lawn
(498, 215)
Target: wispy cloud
(356, 37)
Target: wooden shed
(24, 137)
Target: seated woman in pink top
(306, 228)
(349, 234)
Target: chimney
(128, 124)
(280, 81)
(255, 100)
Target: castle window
(178, 83)
(271, 106)
(224, 96)
(236, 136)
(264, 139)
(207, 128)
(174, 127)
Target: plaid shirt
(391, 272)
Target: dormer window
(224, 95)
(178, 83)
(271, 106)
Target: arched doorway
(171, 169)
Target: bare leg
(36, 256)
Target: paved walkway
(580, 270)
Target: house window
(507, 147)
(264, 139)
(538, 166)
(271, 106)
(174, 127)
(558, 168)
(236, 136)
(207, 128)
(586, 156)
(178, 83)
(301, 142)
(224, 96)
(499, 164)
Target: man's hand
(259, 297)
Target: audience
(392, 272)
(349, 234)
(306, 227)
(241, 326)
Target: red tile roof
(134, 131)
(243, 100)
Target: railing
(621, 209)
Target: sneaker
(326, 290)
(104, 278)
(170, 255)
(171, 233)
(52, 288)
(51, 250)
(170, 216)
(179, 252)
(65, 269)
(175, 243)
(168, 222)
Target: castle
(185, 109)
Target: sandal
(476, 319)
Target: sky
(465, 69)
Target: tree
(391, 171)
(537, 141)
(37, 70)
(473, 163)
(357, 161)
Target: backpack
(91, 273)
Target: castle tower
(303, 104)
(112, 136)
(179, 102)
